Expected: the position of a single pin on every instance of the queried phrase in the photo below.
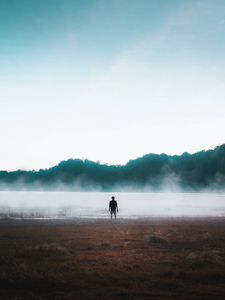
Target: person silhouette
(113, 207)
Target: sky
(109, 80)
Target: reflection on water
(95, 205)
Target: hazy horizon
(98, 161)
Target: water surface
(95, 205)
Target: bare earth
(103, 259)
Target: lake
(95, 205)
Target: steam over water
(95, 205)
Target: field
(103, 259)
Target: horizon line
(111, 165)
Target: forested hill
(201, 170)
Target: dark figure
(113, 207)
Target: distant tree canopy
(201, 170)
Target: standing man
(113, 207)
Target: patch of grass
(101, 260)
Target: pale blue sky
(109, 80)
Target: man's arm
(117, 207)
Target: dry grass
(154, 259)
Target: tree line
(201, 170)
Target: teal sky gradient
(109, 80)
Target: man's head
(113, 198)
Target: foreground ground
(103, 259)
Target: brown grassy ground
(142, 259)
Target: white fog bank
(95, 205)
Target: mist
(201, 171)
(94, 205)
